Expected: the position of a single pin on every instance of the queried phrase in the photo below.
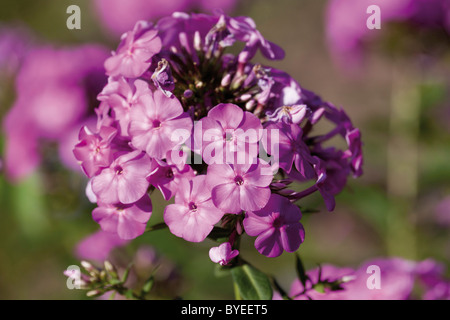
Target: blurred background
(397, 98)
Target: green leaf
(319, 287)
(126, 273)
(129, 294)
(148, 285)
(301, 273)
(252, 284)
(221, 271)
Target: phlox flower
(121, 96)
(167, 177)
(124, 180)
(94, 149)
(135, 51)
(193, 215)
(157, 124)
(240, 187)
(276, 227)
(223, 254)
(291, 148)
(128, 221)
(228, 135)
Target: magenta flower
(121, 96)
(328, 273)
(222, 254)
(53, 87)
(193, 215)
(244, 29)
(15, 42)
(396, 280)
(94, 149)
(276, 227)
(354, 152)
(163, 79)
(98, 246)
(118, 16)
(167, 177)
(135, 51)
(128, 221)
(287, 141)
(124, 180)
(157, 124)
(240, 187)
(288, 114)
(228, 135)
(348, 40)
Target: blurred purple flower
(15, 42)
(54, 89)
(98, 246)
(118, 16)
(442, 212)
(347, 32)
(398, 278)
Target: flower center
(229, 137)
(192, 206)
(118, 170)
(277, 223)
(156, 124)
(239, 180)
(169, 174)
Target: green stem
(155, 227)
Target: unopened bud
(94, 293)
(226, 80)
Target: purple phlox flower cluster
(54, 98)
(398, 279)
(222, 136)
(347, 33)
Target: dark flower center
(118, 170)
(229, 136)
(169, 174)
(156, 124)
(277, 223)
(192, 206)
(239, 180)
